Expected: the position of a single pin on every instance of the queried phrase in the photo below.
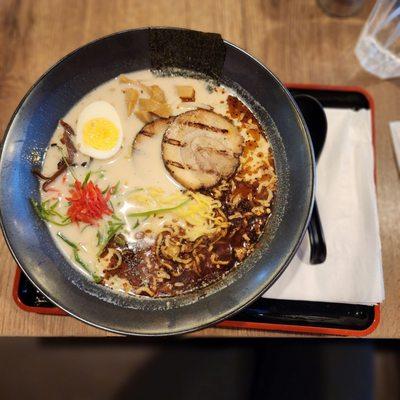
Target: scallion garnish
(80, 262)
(157, 210)
(87, 177)
(114, 216)
(99, 238)
(100, 173)
(136, 224)
(48, 213)
(77, 258)
(115, 188)
(69, 243)
(85, 227)
(113, 229)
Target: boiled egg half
(99, 131)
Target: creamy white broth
(139, 170)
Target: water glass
(378, 48)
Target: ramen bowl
(53, 95)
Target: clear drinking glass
(378, 48)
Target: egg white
(98, 109)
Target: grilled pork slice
(200, 148)
(155, 128)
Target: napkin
(395, 133)
(352, 272)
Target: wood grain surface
(294, 38)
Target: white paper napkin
(352, 272)
(395, 133)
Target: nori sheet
(186, 49)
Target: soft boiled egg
(99, 130)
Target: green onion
(134, 191)
(84, 228)
(99, 172)
(113, 228)
(87, 177)
(48, 213)
(69, 243)
(96, 278)
(157, 211)
(77, 258)
(113, 216)
(119, 240)
(136, 224)
(80, 262)
(114, 190)
(54, 205)
(99, 238)
(106, 190)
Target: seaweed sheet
(186, 49)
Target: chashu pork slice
(200, 148)
(150, 130)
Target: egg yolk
(100, 134)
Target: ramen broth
(156, 236)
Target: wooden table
(294, 38)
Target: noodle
(247, 197)
(213, 230)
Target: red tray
(343, 326)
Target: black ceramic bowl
(28, 135)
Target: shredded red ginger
(87, 203)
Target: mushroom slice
(144, 116)
(154, 128)
(131, 97)
(186, 93)
(150, 105)
(200, 148)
